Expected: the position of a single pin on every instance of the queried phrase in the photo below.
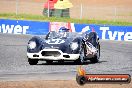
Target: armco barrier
(40, 28)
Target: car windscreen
(64, 34)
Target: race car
(64, 46)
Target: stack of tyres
(57, 8)
(51, 12)
(62, 13)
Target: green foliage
(60, 19)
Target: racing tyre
(96, 58)
(61, 61)
(49, 61)
(81, 80)
(81, 58)
(32, 61)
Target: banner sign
(82, 78)
(55, 26)
(23, 27)
(105, 32)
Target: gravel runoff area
(57, 84)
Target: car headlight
(32, 44)
(74, 45)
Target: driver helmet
(63, 31)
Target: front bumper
(52, 54)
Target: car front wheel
(32, 61)
(81, 58)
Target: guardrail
(109, 32)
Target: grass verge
(60, 19)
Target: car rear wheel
(96, 58)
(32, 61)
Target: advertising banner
(107, 32)
(55, 26)
(23, 27)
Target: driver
(63, 31)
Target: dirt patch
(58, 84)
(117, 10)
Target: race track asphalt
(116, 58)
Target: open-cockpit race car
(64, 46)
